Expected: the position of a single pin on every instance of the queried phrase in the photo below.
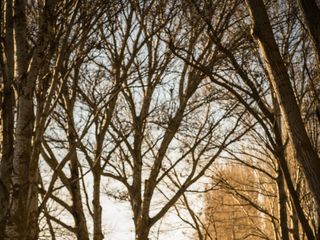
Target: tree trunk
(282, 206)
(97, 226)
(295, 223)
(283, 155)
(78, 213)
(295, 199)
(18, 226)
(142, 230)
(303, 149)
(7, 117)
(311, 13)
(23, 218)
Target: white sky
(118, 218)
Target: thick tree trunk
(19, 215)
(7, 153)
(283, 155)
(304, 152)
(295, 225)
(23, 218)
(295, 198)
(22, 206)
(7, 118)
(142, 230)
(311, 13)
(97, 169)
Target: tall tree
(304, 151)
(22, 223)
(44, 40)
(7, 109)
(311, 13)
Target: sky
(118, 218)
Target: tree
(250, 92)
(48, 46)
(305, 153)
(7, 109)
(22, 222)
(137, 100)
(242, 205)
(311, 13)
(155, 123)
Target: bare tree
(155, 118)
(7, 108)
(137, 99)
(311, 13)
(48, 45)
(279, 78)
(252, 93)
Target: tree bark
(7, 117)
(295, 218)
(142, 230)
(97, 209)
(311, 13)
(295, 198)
(97, 171)
(78, 212)
(23, 218)
(303, 149)
(282, 206)
(283, 154)
(18, 223)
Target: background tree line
(156, 103)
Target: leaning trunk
(295, 198)
(283, 155)
(303, 149)
(311, 13)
